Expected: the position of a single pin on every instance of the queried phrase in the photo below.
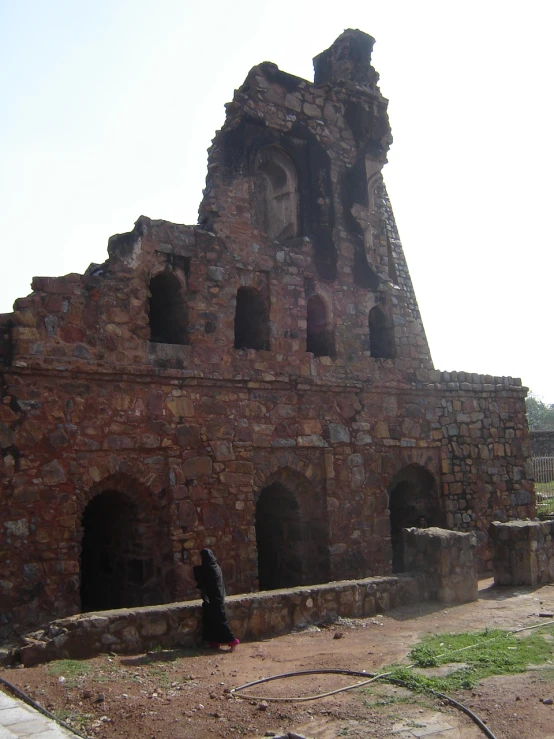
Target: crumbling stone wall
(448, 561)
(523, 552)
(188, 423)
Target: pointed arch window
(319, 334)
(168, 315)
(276, 194)
(381, 334)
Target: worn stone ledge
(353, 381)
(252, 616)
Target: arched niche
(251, 319)
(115, 566)
(381, 334)
(319, 332)
(413, 493)
(276, 194)
(126, 558)
(168, 314)
(292, 533)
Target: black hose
(485, 729)
(27, 699)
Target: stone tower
(299, 165)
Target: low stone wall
(523, 552)
(448, 559)
(252, 616)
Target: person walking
(209, 578)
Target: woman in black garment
(216, 629)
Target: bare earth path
(185, 695)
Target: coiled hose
(371, 678)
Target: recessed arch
(251, 319)
(292, 533)
(125, 547)
(276, 194)
(168, 314)
(381, 334)
(319, 331)
(413, 493)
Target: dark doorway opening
(319, 337)
(251, 320)
(117, 563)
(292, 537)
(381, 335)
(279, 538)
(168, 315)
(413, 493)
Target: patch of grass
(389, 700)
(160, 676)
(545, 497)
(484, 654)
(72, 717)
(71, 669)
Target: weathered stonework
(523, 552)
(260, 383)
(252, 616)
(448, 561)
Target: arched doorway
(291, 535)
(120, 562)
(412, 493)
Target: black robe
(209, 578)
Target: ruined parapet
(348, 59)
(448, 559)
(523, 552)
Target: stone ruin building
(260, 383)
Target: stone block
(197, 467)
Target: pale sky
(109, 107)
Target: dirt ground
(185, 695)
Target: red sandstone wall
(195, 454)
(193, 433)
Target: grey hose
(372, 678)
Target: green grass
(545, 507)
(491, 652)
(72, 717)
(71, 669)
